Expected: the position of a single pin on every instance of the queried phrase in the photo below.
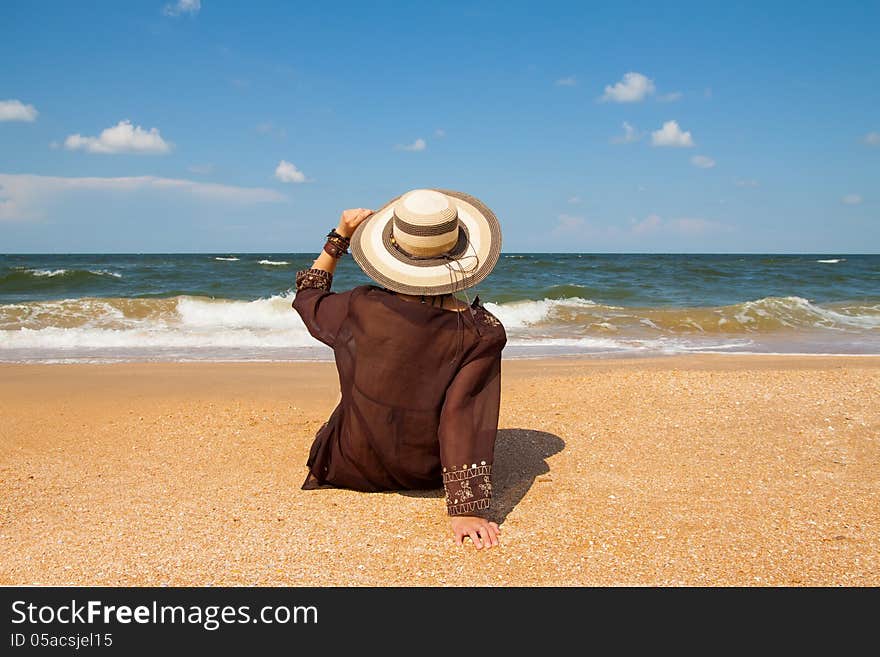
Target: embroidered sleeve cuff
(468, 488)
(312, 277)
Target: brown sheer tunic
(421, 391)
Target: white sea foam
(613, 345)
(273, 262)
(518, 314)
(51, 273)
(227, 259)
(47, 272)
(588, 343)
(154, 337)
(833, 260)
(272, 313)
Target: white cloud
(15, 110)
(672, 135)
(653, 225)
(702, 161)
(567, 224)
(649, 224)
(182, 7)
(633, 88)
(121, 138)
(570, 81)
(684, 226)
(670, 97)
(288, 173)
(439, 132)
(749, 182)
(696, 226)
(269, 128)
(630, 134)
(851, 199)
(575, 200)
(872, 139)
(23, 195)
(417, 145)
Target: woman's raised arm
(322, 310)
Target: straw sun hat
(428, 241)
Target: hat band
(422, 254)
(426, 231)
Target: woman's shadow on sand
(519, 460)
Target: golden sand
(724, 469)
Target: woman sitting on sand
(419, 370)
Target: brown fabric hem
(468, 489)
(314, 278)
(313, 483)
(469, 508)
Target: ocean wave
(274, 312)
(273, 262)
(516, 314)
(188, 322)
(176, 322)
(227, 259)
(64, 272)
(181, 312)
(832, 260)
(25, 279)
(567, 317)
(578, 315)
(772, 313)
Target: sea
(237, 306)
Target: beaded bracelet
(335, 240)
(333, 233)
(334, 249)
(337, 245)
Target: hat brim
(475, 254)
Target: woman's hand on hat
(483, 534)
(351, 219)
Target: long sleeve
(321, 310)
(467, 430)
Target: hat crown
(425, 207)
(425, 223)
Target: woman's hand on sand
(482, 532)
(351, 219)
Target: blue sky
(685, 127)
